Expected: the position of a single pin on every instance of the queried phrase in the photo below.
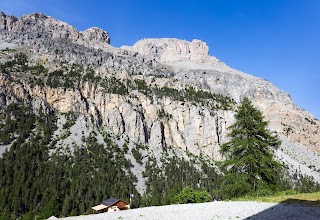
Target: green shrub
(234, 186)
(202, 196)
(189, 195)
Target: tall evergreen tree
(249, 165)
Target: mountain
(158, 111)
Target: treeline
(189, 94)
(72, 78)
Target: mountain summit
(169, 50)
(39, 24)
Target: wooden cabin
(111, 205)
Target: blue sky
(277, 40)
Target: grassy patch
(301, 198)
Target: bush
(234, 186)
(189, 195)
(202, 196)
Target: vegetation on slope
(189, 94)
(34, 182)
(38, 179)
(164, 183)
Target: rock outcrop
(169, 50)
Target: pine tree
(249, 165)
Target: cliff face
(156, 121)
(194, 66)
(146, 112)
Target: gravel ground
(213, 210)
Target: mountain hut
(111, 205)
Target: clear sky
(278, 40)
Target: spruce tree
(249, 164)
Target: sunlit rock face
(170, 50)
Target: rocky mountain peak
(46, 26)
(171, 50)
(96, 34)
(35, 16)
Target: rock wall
(189, 127)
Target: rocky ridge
(50, 27)
(160, 63)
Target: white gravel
(213, 210)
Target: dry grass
(303, 198)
